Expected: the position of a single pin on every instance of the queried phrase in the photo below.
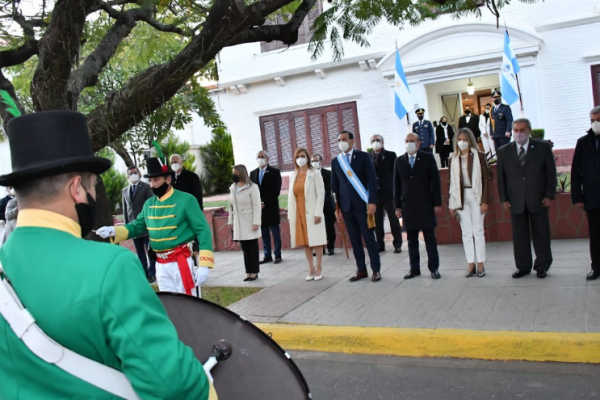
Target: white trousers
(169, 279)
(488, 145)
(471, 224)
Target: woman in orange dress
(305, 212)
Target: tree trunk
(104, 210)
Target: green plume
(158, 149)
(11, 106)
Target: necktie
(412, 161)
(132, 190)
(522, 156)
(262, 174)
(348, 158)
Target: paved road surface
(358, 377)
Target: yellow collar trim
(35, 218)
(167, 195)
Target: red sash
(180, 255)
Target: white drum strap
(24, 326)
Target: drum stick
(221, 352)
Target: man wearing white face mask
(585, 186)
(134, 196)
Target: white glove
(201, 275)
(106, 231)
(2, 223)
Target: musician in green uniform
(173, 220)
(90, 298)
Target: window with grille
(316, 129)
(304, 33)
(596, 84)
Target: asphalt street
(354, 377)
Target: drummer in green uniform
(91, 298)
(173, 220)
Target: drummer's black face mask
(86, 213)
(161, 190)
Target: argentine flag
(510, 69)
(403, 98)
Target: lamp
(470, 88)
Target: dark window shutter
(316, 134)
(304, 32)
(332, 130)
(596, 84)
(301, 133)
(286, 146)
(270, 141)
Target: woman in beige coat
(305, 212)
(244, 218)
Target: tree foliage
(217, 157)
(173, 145)
(113, 181)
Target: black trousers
(356, 225)
(330, 229)
(386, 204)
(594, 225)
(433, 257)
(141, 247)
(524, 226)
(250, 249)
(444, 153)
(499, 142)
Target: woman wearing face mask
(244, 219)
(469, 197)
(443, 141)
(10, 214)
(305, 204)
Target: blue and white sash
(356, 183)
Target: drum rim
(256, 328)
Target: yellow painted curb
(486, 345)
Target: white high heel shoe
(318, 277)
(310, 277)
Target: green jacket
(171, 221)
(93, 299)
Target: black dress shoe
(435, 275)
(381, 249)
(411, 274)
(248, 279)
(376, 277)
(520, 273)
(266, 260)
(330, 252)
(277, 260)
(358, 276)
(542, 274)
(152, 279)
(398, 250)
(593, 275)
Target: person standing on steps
(444, 134)
(485, 126)
(471, 121)
(585, 186)
(268, 180)
(501, 121)
(424, 129)
(354, 183)
(384, 168)
(328, 207)
(418, 198)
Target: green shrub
(538, 134)
(217, 157)
(114, 181)
(176, 146)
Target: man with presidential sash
(354, 183)
(173, 220)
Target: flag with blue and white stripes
(403, 99)
(510, 69)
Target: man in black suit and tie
(526, 184)
(471, 121)
(502, 121)
(418, 197)
(384, 168)
(268, 180)
(134, 196)
(354, 183)
(328, 207)
(585, 185)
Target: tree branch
(9, 58)
(118, 147)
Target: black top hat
(157, 166)
(420, 111)
(50, 143)
(496, 93)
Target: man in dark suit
(186, 181)
(356, 191)
(134, 196)
(328, 207)
(471, 121)
(418, 197)
(4, 201)
(526, 184)
(268, 180)
(585, 186)
(384, 168)
(502, 121)
(424, 129)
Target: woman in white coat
(244, 218)
(485, 126)
(305, 212)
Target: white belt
(24, 326)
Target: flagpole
(516, 75)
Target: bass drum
(258, 369)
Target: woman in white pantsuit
(485, 126)
(305, 212)
(469, 197)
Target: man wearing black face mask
(89, 297)
(424, 129)
(471, 121)
(502, 120)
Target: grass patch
(283, 202)
(224, 296)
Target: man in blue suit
(354, 183)
(502, 121)
(424, 129)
